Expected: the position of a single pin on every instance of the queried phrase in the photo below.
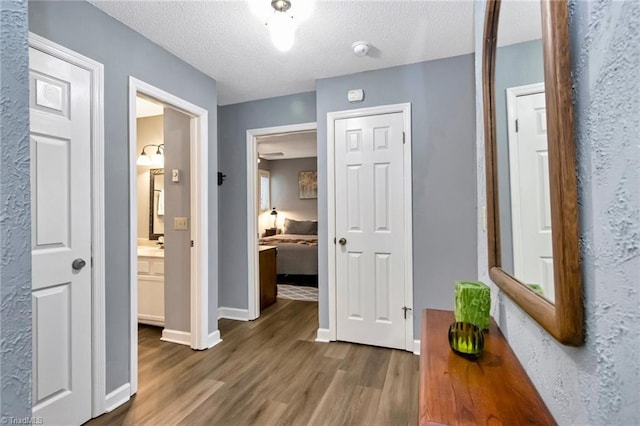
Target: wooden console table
(492, 390)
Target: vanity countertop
(148, 251)
(494, 389)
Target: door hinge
(516, 125)
(404, 137)
(191, 243)
(334, 240)
(405, 309)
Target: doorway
(292, 153)
(191, 227)
(370, 255)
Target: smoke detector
(360, 48)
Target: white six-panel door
(531, 208)
(370, 230)
(61, 234)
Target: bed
(297, 248)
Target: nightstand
(270, 232)
(268, 278)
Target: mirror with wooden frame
(156, 203)
(532, 218)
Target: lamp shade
(274, 212)
(143, 160)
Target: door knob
(78, 264)
(342, 241)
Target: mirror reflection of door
(521, 146)
(156, 205)
(529, 184)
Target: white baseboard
(323, 335)
(234, 314)
(416, 347)
(175, 336)
(213, 339)
(154, 320)
(118, 397)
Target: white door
(531, 208)
(61, 234)
(370, 230)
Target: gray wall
(82, 27)
(234, 121)
(284, 189)
(441, 93)
(177, 259)
(597, 383)
(516, 65)
(150, 131)
(15, 210)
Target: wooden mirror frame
(564, 320)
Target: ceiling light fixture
(281, 25)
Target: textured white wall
(598, 383)
(15, 215)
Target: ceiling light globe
(282, 29)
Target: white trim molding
(405, 109)
(323, 335)
(98, 327)
(253, 287)
(118, 397)
(199, 178)
(176, 336)
(234, 314)
(213, 339)
(416, 347)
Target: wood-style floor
(270, 372)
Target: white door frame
(253, 280)
(199, 217)
(98, 354)
(405, 109)
(516, 226)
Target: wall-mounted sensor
(355, 95)
(360, 48)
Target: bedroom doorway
(282, 243)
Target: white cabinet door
(61, 233)
(370, 230)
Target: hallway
(269, 372)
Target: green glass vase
(466, 339)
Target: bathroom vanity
(151, 286)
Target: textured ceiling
(228, 42)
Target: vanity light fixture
(157, 160)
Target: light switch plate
(175, 175)
(180, 224)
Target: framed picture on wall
(308, 185)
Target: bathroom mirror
(532, 220)
(156, 203)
